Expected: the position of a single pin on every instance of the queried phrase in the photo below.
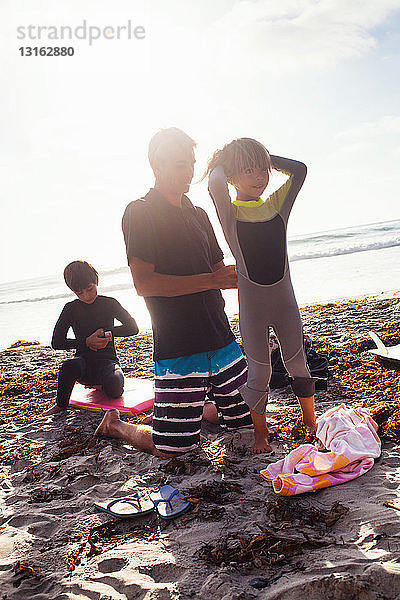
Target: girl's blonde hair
(239, 155)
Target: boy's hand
(97, 341)
(225, 278)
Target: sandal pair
(166, 500)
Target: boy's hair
(79, 274)
(239, 155)
(167, 139)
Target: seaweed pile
(96, 539)
(361, 379)
(289, 529)
(358, 379)
(26, 395)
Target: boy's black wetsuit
(89, 366)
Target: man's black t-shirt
(178, 241)
(85, 319)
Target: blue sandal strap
(167, 500)
(133, 501)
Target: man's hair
(239, 155)
(79, 274)
(166, 140)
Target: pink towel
(350, 436)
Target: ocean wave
(306, 247)
(110, 288)
(390, 230)
(329, 252)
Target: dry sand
(55, 473)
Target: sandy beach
(240, 540)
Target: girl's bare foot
(309, 418)
(311, 429)
(261, 436)
(261, 444)
(53, 411)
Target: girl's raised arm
(283, 199)
(219, 192)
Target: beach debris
(216, 454)
(186, 466)
(135, 355)
(26, 384)
(22, 344)
(44, 494)
(290, 428)
(11, 453)
(77, 443)
(358, 378)
(75, 557)
(99, 538)
(300, 513)
(23, 570)
(204, 512)
(217, 492)
(257, 551)
(94, 548)
(54, 471)
(259, 583)
(209, 498)
(336, 511)
(32, 474)
(392, 504)
(23, 397)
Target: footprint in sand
(111, 565)
(163, 572)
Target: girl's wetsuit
(256, 234)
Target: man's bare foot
(106, 426)
(53, 411)
(261, 445)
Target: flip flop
(169, 502)
(127, 508)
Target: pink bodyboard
(138, 397)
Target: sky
(314, 80)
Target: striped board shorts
(181, 387)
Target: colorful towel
(351, 439)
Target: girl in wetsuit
(256, 233)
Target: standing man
(177, 265)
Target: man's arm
(149, 283)
(218, 266)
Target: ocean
(330, 265)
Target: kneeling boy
(92, 320)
